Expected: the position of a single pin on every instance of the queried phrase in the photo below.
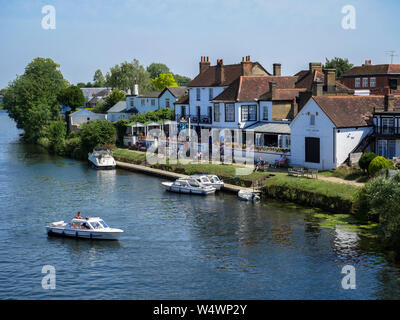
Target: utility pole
(392, 54)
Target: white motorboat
(248, 196)
(190, 186)
(88, 228)
(209, 180)
(101, 158)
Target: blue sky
(93, 34)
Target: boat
(209, 180)
(190, 186)
(248, 196)
(101, 158)
(87, 228)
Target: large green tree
(115, 97)
(94, 133)
(31, 99)
(98, 79)
(163, 81)
(155, 69)
(182, 80)
(72, 97)
(340, 64)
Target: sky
(97, 34)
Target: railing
(387, 130)
(195, 119)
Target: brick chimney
(315, 66)
(246, 66)
(277, 69)
(295, 108)
(219, 71)
(317, 88)
(367, 63)
(272, 89)
(204, 64)
(330, 80)
(389, 102)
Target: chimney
(219, 70)
(246, 66)
(330, 80)
(389, 102)
(295, 108)
(135, 89)
(277, 69)
(272, 89)
(317, 88)
(204, 64)
(315, 66)
(367, 63)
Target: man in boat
(78, 215)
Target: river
(174, 246)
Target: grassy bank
(330, 196)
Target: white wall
(162, 100)
(204, 102)
(300, 129)
(147, 104)
(347, 139)
(116, 116)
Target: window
(265, 113)
(210, 93)
(198, 94)
(131, 102)
(103, 224)
(217, 112)
(357, 82)
(312, 120)
(387, 125)
(167, 103)
(183, 111)
(249, 113)
(143, 102)
(229, 112)
(153, 102)
(372, 82)
(365, 82)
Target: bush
(365, 160)
(72, 144)
(377, 164)
(96, 133)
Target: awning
(265, 127)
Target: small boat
(248, 196)
(101, 158)
(209, 180)
(88, 228)
(190, 186)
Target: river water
(174, 246)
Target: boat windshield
(103, 224)
(214, 178)
(96, 225)
(204, 180)
(194, 183)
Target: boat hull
(102, 167)
(176, 189)
(83, 234)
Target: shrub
(96, 133)
(72, 144)
(365, 160)
(377, 164)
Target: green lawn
(125, 155)
(346, 174)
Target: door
(312, 146)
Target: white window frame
(357, 82)
(197, 94)
(265, 113)
(312, 120)
(372, 82)
(365, 82)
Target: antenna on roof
(392, 53)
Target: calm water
(174, 246)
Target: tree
(98, 79)
(365, 160)
(182, 80)
(115, 97)
(341, 65)
(56, 133)
(31, 99)
(72, 97)
(94, 133)
(155, 69)
(163, 81)
(120, 127)
(89, 85)
(81, 85)
(377, 164)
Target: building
(169, 95)
(120, 111)
(376, 78)
(82, 116)
(386, 122)
(95, 95)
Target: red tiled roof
(183, 100)
(351, 111)
(249, 88)
(282, 94)
(208, 78)
(373, 70)
(306, 80)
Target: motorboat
(102, 158)
(87, 228)
(209, 180)
(190, 186)
(248, 196)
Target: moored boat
(87, 228)
(189, 186)
(248, 196)
(209, 180)
(101, 158)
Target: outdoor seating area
(298, 171)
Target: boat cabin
(89, 224)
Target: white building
(328, 128)
(120, 111)
(83, 116)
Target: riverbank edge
(280, 192)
